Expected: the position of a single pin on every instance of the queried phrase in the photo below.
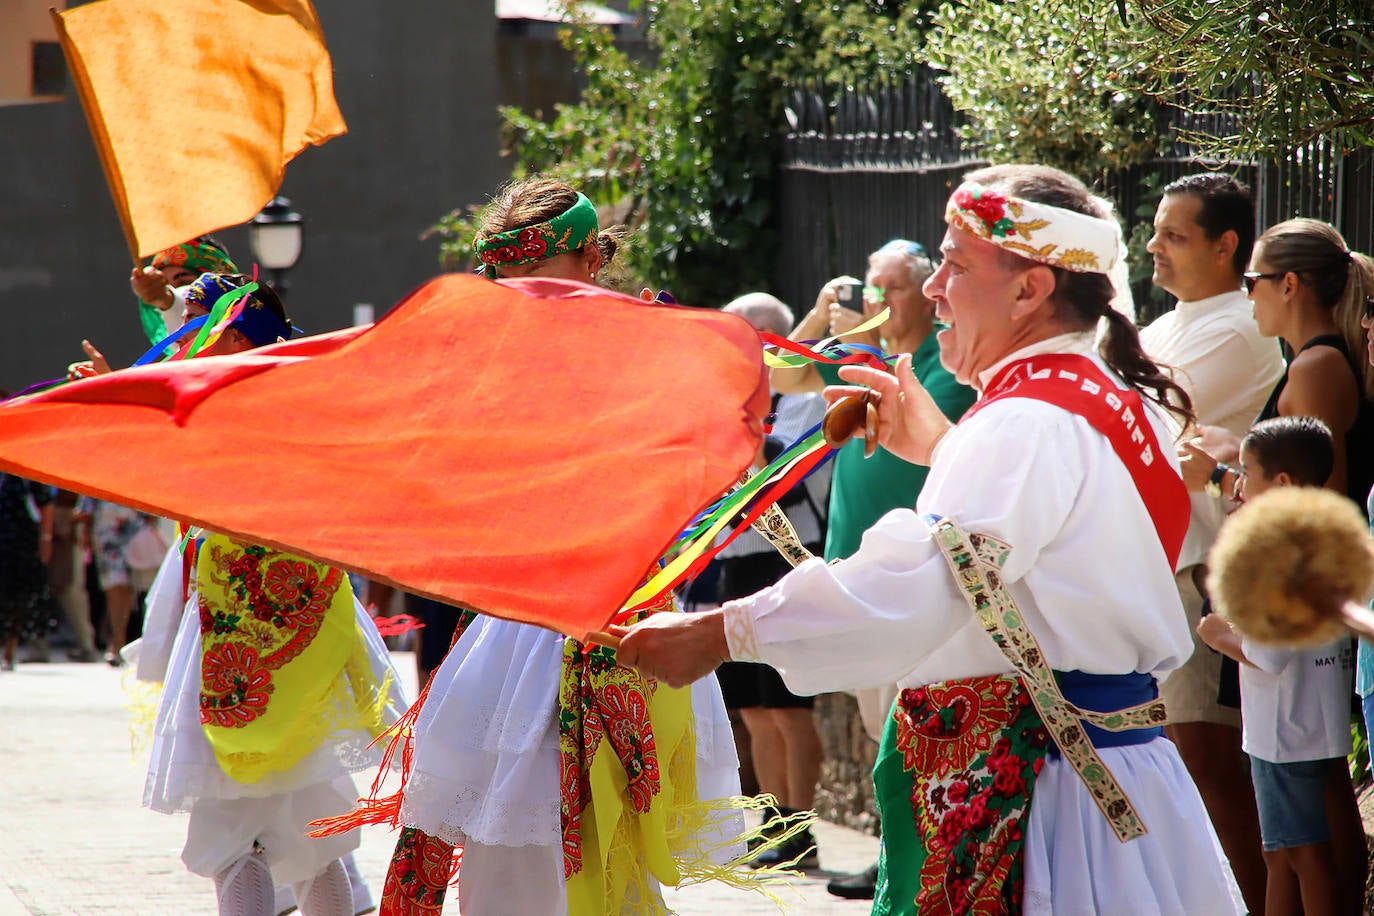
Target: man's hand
(96, 365)
(829, 297)
(843, 320)
(674, 648)
(910, 423)
(150, 285)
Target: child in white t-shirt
(1295, 709)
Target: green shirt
(863, 490)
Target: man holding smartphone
(863, 490)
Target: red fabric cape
(524, 449)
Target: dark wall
(419, 91)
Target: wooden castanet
(856, 414)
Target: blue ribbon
(159, 349)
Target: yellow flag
(196, 106)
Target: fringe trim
(691, 820)
(376, 808)
(702, 864)
(141, 702)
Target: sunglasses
(1369, 308)
(1251, 278)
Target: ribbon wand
(774, 525)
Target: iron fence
(859, 168)
(871, 163)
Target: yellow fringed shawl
(283, 663)
(629, 801)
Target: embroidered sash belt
(1110, 693)
(976, 562)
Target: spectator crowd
(1258, 377)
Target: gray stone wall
(845, 792)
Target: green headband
(568, 231)
(196, 256)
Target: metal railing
(864, 165)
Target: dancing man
(1032, 585)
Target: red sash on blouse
(1076, 384)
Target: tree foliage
(1282, 73)
(1081, 83)
(683, 145)
(1046, 81)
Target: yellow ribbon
(792, 360)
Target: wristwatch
(1213, 486)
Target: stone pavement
(74, 839)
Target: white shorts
(222, 830)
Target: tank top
(1359, 439)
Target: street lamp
(275, 237)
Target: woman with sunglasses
(1309, 289)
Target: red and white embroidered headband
(1050, 235)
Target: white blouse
(1086, 566)
(1095, 587)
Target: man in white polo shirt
(1204, 229)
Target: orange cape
(526, 449)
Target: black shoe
(798, 852)
(856, 887)
(772, 824)
(803, 848)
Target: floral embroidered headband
(198, 255)
(1040, 232)
(568, 231)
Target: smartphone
(850, 296)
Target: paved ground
(74, 840)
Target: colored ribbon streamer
(159, 351)
(36, 387)
(732, 502)
(218, 319)
(670, 580)
(803, 457)
(803, 354)
(696, 551)
(155, 354)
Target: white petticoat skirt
(486, 765)
(227, 815)
(1075, 865)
